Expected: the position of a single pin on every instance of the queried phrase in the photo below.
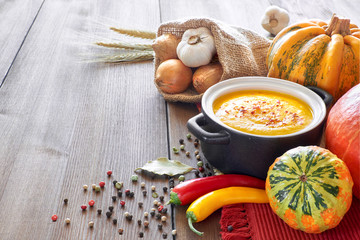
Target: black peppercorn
(161, 198)
(119, 194)
(111, 208)
(164, 235)
(152, 213)
(181, 141)
(160, 226)
(158, 216)
(114, 221)
(165, 189)
(144, 193)
(113, 198)
(207, 165)
(141, 234)
(139, 222)
(114, 182)
(164, 210)
(99, 211)
(204, 175)
(230, 228)
(127, 192)
(131, 194)
(108, 214)
(140, 204)
(209, 174)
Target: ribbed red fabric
(259, 222)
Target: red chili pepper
(190, 190)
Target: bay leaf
(164, 166)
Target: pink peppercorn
(91, 203)
(54, 217)
(201, 169)
(101, 184)
(109, 173)
(122, 203)
(160, 208)
(83, 207)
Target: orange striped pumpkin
(309, 188)
(318, 54)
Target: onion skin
(206, 76)
(165, 46)
(172, 76)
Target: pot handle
(194, 125)
(326, 97)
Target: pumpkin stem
(303, 177)
(338, 26)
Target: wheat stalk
(125, 45)
(135, 33)
(130, 57)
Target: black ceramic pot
(233, 151)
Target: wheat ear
(125, 45)
(130, 57)
(135, 33)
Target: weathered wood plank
(16, 20)
(65, 122)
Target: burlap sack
(241, 52)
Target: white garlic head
(197, 47)
(275, 19)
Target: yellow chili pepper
(204, 206)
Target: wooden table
(65, 122)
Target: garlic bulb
(275, 19)
(197, 47)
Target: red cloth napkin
(259, 222)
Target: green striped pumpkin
(309, 188)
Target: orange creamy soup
(263, 112)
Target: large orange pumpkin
(318, 54)
(342, 134)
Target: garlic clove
(275, 19)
